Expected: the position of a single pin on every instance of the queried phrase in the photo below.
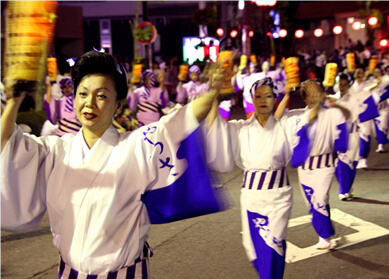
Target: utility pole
(246, 26)
(149, 50)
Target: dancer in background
(262, 146)
(381, 122)
(330, 135)
(61, 111)
(345, 170)
(148, 100)
(193, 89)
(364, 129)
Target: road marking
(365, 231)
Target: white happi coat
(351, 103)
(326, 130)
(255, 148)
(190, 91)
(354, 102)
(92, 196)
(330, 135)
(359, 92)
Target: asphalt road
(210, 246)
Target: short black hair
(94, 62)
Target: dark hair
(346, 76)
(94, 62)
(359, 66)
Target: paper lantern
(350, 60)
(292, 71)
(330, 74)
(52, 68)
(225, 62)
(243, 61)
(29, 33)
(183, 72)
(373, 63)
(136, 73)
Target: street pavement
(209, 247)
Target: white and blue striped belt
(265, 180)
(320, 161)
(354, 128)
(139, 269)
(149, 107)
(382, 105)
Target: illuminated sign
(195, 48)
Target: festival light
(337, 30)
(251, 33)
(356, 25)
(220, 32)
(384, 42)
(283, 33)
(241, 5)
(233, 33)
(299, 33)
(372, 21)
(318, 32)
(270, 3)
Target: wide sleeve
(367, 106)
(181, 94)
(341, 132)
(164, 98)
(26, 163)
(132, 100)
(299, 135)
(183, 185)
(52, 109)
(222, 141)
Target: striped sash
(149, 107)
(140, 269)
(69, 103)
(137, 270)
(68, 126)
(382, 105)
(354, 128)
(321, 161)
(265, 180)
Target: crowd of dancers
(328, 134)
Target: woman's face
(147, 82)
(263, 100)
(343, 86)
(377, 73)
(359, 74)
(67, 90)
(194, 76)
(96, 103)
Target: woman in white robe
(365, 128)
(316, 174)
(361, 110)
(148, 100)
(262, 146)
(193, 89)
(102, 189)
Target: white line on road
(365, 231)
